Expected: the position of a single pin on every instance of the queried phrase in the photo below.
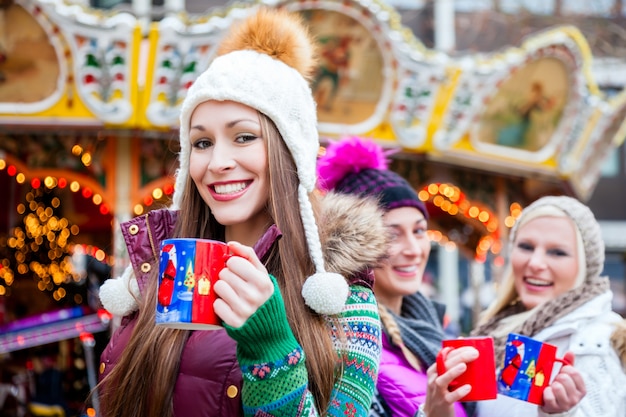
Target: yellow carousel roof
(532, 110)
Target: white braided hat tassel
(325, 292)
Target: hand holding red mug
(567, 389)
(243, 287)
(439, 397)
(480, 372)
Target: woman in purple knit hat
(412, 323)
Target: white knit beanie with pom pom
(276, 86)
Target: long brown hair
(292, 265)
(150, 388)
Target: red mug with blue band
(527, 368)
(188, 269)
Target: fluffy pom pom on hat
(359, 166)
(264, 63)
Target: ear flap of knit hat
(264, 64)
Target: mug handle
(441, 364)
(563, 361)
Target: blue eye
(246, 138)
(202, 143)
(419, 231)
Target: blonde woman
(553, 292)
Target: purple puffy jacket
(209, 381)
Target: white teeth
(537, 282)
(229, 188)
(412, 268)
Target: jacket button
(133, 229)
(145, 267)
(102, 367)
(232, 391)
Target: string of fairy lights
(451, 200)
(160, 195)
(41, 247)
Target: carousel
(89, 104)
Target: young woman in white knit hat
(301, 330)
(553, 292)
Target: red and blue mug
(527, 368)
(188, 270)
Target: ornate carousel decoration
(532, 112)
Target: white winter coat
(585, 331)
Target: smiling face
(229, 166)
(544, 259)
(407, 257)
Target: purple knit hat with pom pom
(359, 166)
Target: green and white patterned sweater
(275, 378)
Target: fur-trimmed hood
(352, 233)
(351, 229)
